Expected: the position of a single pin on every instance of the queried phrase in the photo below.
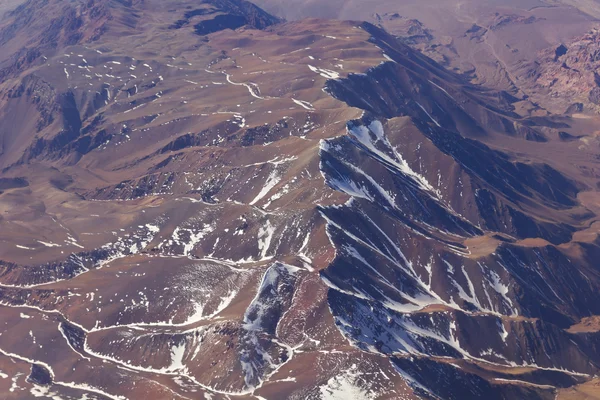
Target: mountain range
(215, 199)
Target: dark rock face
(560, 51)
(594, 96)
(12, 183)
(159, 183)
(66, 111)
(575, 108)
(74, 335)
(567, 137)
(218, 15)
(76, 263)
(40, 375)
(219, 23)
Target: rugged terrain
(496, 43)
(199, 199)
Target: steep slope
(495, 43)
(413, 275)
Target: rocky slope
(569, 72)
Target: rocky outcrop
(568, 72)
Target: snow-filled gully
(357, 247)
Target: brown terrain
(341, 200)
